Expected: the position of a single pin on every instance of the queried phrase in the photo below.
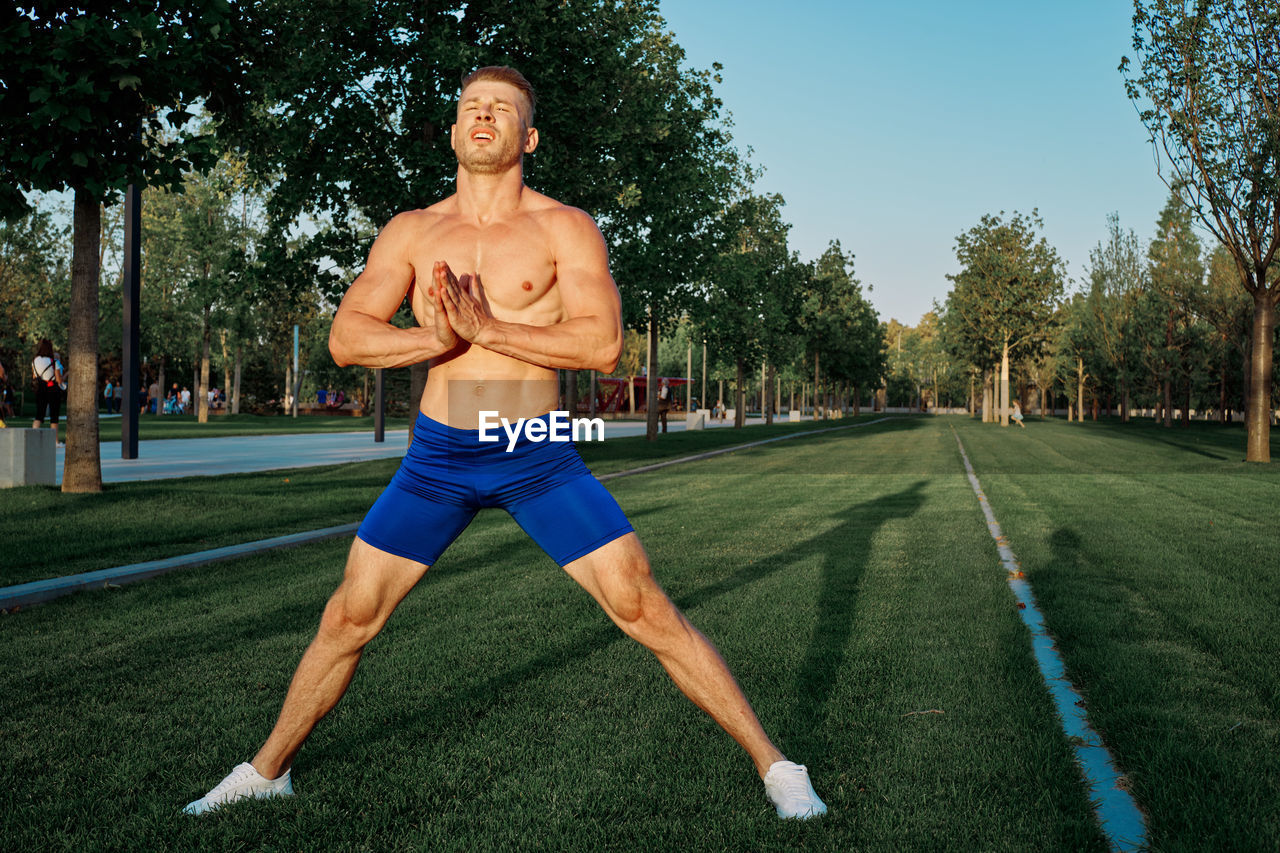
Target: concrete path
(162, 459)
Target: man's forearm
(579, 344)
(369, 342)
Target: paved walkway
(195, 457)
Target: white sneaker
(788, 788)
(241, 783)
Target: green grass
(134, 522)
(1153, 553)
(848, 579)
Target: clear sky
(894, 127)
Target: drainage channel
(37, 592)
(1122, 821)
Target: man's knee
(350, 620)
(638, 604)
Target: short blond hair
(508, 75)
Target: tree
(93, 98)
(1176, 274)
(355, 128)
(1006, 291)
(1208, 90)
(1116, 275)
(752, 289)
(841, 331)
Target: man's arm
(362, 333)
(590, 336)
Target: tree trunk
(571, 392)
(235, 395)
(651, 384)
(817, 416)
(1258, 416)
(768, 392)
(1004, 384)
(417, 388)
(1222, 394)
(226, 365)
(1186, 400)
(163, 389)
(740, 399)
(82, 466)
(1124, 401)
(202, 392)
(857, 405)
(591, 406)
(1166, 394)
(1080, 389)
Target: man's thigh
(374, 582)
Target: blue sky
(895, 127)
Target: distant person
(1017, 414)
(185, 405)
(664, 402)
(152, 397)
(46, 375)
(117, 397)
(108, 394)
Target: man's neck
(487, 197)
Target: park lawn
(848, 579)
(135, 522)
(1154, 556)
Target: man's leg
(374, 583)
(618, 576)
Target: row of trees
(1206, 84)
(294, 129)
(1162, 324)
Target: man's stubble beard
(480, 162)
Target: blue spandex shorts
(449, 474)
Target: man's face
(491, 133)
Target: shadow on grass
(844, 552)
(843, 549)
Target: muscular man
(534, 295)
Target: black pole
(379, 405)
(130, 340)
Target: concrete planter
(695, 420)
(27, 457)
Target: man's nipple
(528, 285)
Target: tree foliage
(1207, 87)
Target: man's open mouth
(483, 133)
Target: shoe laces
(243, 773)
(793, 780)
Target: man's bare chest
(513, 264)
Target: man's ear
(453, 130)
(531, 140)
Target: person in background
(46, 373)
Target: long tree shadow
(844, 550)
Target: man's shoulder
(563, 222)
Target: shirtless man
(534, 295)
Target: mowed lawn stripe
(499, 709)
(1159, 580)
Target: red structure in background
(611, 395)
